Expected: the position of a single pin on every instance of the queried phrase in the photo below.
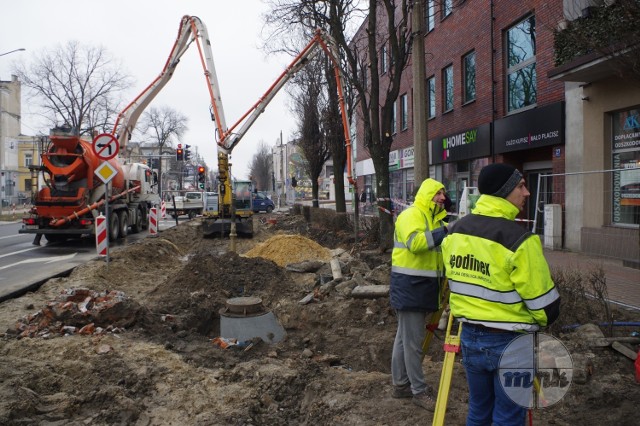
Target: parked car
(262, 202)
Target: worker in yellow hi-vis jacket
(417, 275)
(500, 287)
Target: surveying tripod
(451, 348)
(432, 326)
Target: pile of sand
(286, 249)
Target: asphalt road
(25, 267)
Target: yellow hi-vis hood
(424, 200)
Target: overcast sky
(140, 33)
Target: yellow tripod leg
(434, 320)
(451, 348)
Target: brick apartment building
(491, 98)
(480, 109)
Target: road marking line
(13, 236)
(42, 259)
(18, 252)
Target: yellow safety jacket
(416, 262)
(498, 276)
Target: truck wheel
(144, 217)
(137, 223)
(192, 214)
(114, 227)
(123, 218)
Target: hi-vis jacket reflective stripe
(497, 272)
(416, 261)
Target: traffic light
(179, 153)
(202, 177)
(187, 153)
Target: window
(447, 8)
(469, 73)
(329, 171)
(430, 15)
(404, 112)
(28, 159)
(384, 60)
(521, 65)
(431, 86)
(394, 119)
(362, 74)
(447, 87)
(626, 157)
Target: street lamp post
(22, 49)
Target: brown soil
(149, 356)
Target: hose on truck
(76, 215)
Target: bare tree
(76, 85)
(161, 126)
(261, 167)
(288, 17)
(310, 106)
(386, 27)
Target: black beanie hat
(498, 179)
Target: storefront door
(542, 194)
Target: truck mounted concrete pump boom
(228, 217)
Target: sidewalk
(623, 283)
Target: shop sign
(626, 129)
(530, 129)
(394, 160)
(465, 145)
(406, 158)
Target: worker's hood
(424, 197)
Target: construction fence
(596, 212)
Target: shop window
(521, 65)
(469, 73)
(396, 185)
(626, 157)
(410, 184)
(447, 87)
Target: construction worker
(417, 273)
(500, 287)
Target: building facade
(602, 206)
(10, 110)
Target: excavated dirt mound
(163, 367)
(285, 249)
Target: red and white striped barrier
(163, 209)
(397, 206)
(153, 222)
(102, 245)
